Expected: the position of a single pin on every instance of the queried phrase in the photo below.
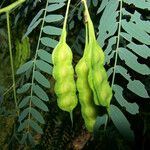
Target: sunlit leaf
(23, 68)
(121, 122)
(35, 126)
(132, 108)
(24, 102)
(41, 79)
(40, 92)
(138, 88)
(45, 56)
(36, 115)
(24, 88)
(38, 103)
(43, 66)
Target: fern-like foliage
(35, 96)
(126, 37)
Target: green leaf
(54, 7)
(32, 28)
(38, 103)
(52, 30)
(35, 126)
(123, 72)
(104, 3)
(109, 53)
(56, 1)
(41, 79)
(132, 29)
(36, 115)
(138, 88)
(24, 102)
(141, 50)
(121, 122)
(53, 18)
(23, 114)
(49, 42)
(108, 25)
(131, 61)
(95, 2)
(22, 125)
(132, 108)
(24, 88)
(45, 56)
(31, 139)
(139, 3)
(40, 92)
(43, 66)
(35, 19)
(100, 120)
(25, 67)
(24, 138)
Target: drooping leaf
(121, 122)
(32, 28)
(31, 138)
(43, 66)
(100, 121)
(45, 56)
(36, 115)
(140, 3)
(95, 2)
(25, 67)
(38, 103)
(24, 138)
(40, 92)
(141, 50)
(56, 1)
(132, 29)
(51, 30)
(131, 61)
(132, 108)
(102, 5)
(108, 24)
(23, 114)
(109, 53)
(138, 88)
(54, 7)
(53, 18)
(35, 126)
(41, 79)
(24, 88)
(24, 102)
(49, 42)
(123, 72)
(22, 125)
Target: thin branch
(11, 6)
(11, 62)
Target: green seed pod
(97, 76)
(63, 74)
(88, 108)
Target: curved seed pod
(88, 108)
(97, 76)
(63, 74)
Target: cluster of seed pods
(92, 82)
